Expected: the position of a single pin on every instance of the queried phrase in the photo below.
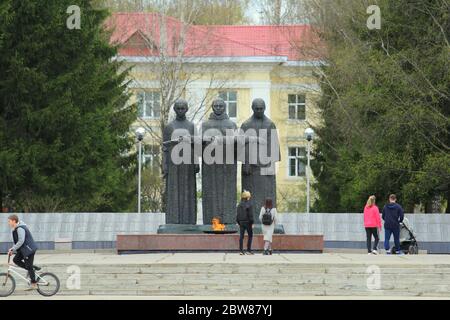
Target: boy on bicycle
(24, 247)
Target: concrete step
(247, 268)
(251, 279)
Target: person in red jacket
(372, 223)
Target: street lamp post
(140, 132)
(309, 135)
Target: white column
(261, 90)
(195, 96)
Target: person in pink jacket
(372, 223)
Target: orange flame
(216, 225)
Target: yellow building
(236, 63)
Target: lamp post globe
(140, 132)
(309, 134)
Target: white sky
(253, 12)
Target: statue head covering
(219, 110)
(258, 107)
(180, 107)
(218, 106)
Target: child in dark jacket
(392, 215)
(24, 248)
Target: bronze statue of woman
(219, 166)
(181, 191)
(262, 151)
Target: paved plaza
(231, 276)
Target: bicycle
(48, 283)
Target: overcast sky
(253, 12)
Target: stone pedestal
(214, 243)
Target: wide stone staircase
(282, 276)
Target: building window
(149, 104)
(150, 156)
(296, 159)
(230, 98)
(297, 107)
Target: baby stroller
(408, 242)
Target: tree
(63, 119)
(152, 189)
(385, 105)
(282, 12)
(209, 12)
(124, 5)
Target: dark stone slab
(41, 245)
(210, 242)
(198, 229)
(89, 245)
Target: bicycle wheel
(7, 285)
(48, 284)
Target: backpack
(267, 219)
(241, 213)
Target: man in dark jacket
(392, 216)
(24, 248)
(244, 219)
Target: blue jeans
(387, 237)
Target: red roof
(139, 35)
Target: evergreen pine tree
(64, 121)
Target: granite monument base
(147, 243)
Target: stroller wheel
(413, 249)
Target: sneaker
(369, 254)
(249, 253)
(241, 253)
(270, 252)
(375, 252)
(388, 252)
(265, 253)
(32, 287)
